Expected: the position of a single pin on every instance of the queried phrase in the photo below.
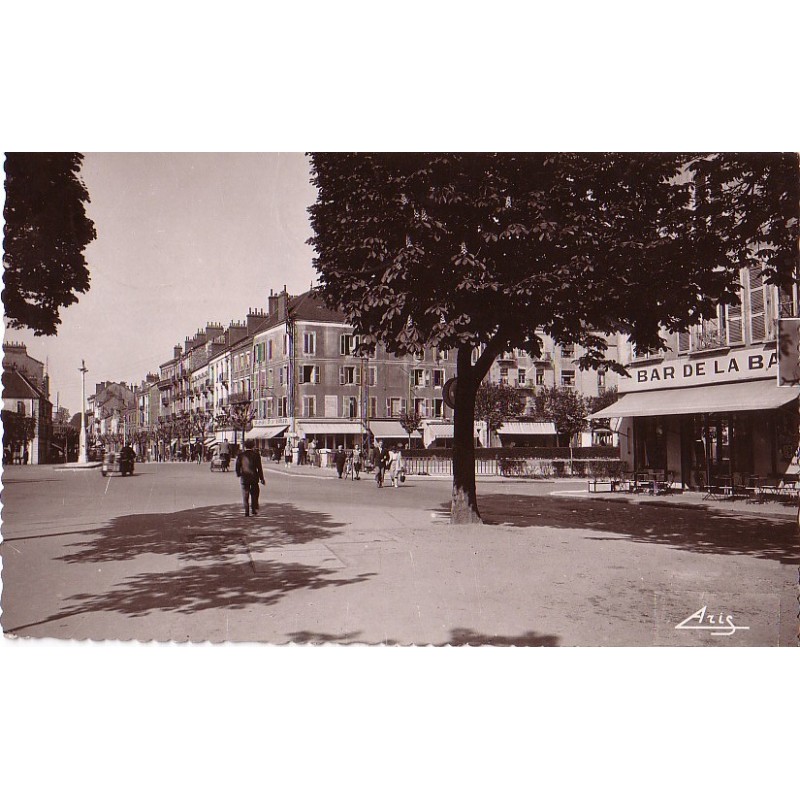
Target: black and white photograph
(399, 401)
(531, 399)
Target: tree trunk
(464, 506)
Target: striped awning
(527, 429)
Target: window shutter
(358, 376)
(684, 340)
(735, 332)
(316, 374)
(757, 305)
(341, 376)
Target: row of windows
(348, 342)
(349, 406)
(352, 376)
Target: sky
(182, 239)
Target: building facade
(27, 410)
(709, 409)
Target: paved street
(168, 555)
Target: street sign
(449, 393)
(789, 352)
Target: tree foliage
(564, 407)
(492, 250)
(410, 421)
(604, 399)
(18, 429)
(46, 231)
(496, 403)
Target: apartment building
(709, 407)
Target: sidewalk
(577, 488)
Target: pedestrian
(224, 454)
(356, 463)
(287, 453)
(340, 459)
(380, 458)
(301, 452)
(250, 473)
(25, 455)
(395, 465)
(312, 453)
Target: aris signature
(715, 623)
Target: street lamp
(82, 458)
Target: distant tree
(604, 399)
(46, 232)
(18, 429)
(241, 416)
(565, 408)
(410, 422)
(199, 425)
(484, 252)
(496, 403)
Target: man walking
(339, 460)
(380, 459)
(250, 473)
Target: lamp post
(82, 458)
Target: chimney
(282, 302)
(272, 303)
(255, 316)
(213, 329)
(176, 351)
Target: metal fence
(526, 467)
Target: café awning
(390, 429)
(321, 428)
(725, 398)
(267, 431)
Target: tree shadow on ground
(459, 637)
(201, 534)
(699, 530)
(220, 576)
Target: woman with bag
(396, 466)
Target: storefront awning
(267, 431)
(726, 398)
(527, 429)
(390, 429)
(321, 428)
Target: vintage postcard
(503, 399)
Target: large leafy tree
(496, 403)
(46, 232)
(484, 252)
